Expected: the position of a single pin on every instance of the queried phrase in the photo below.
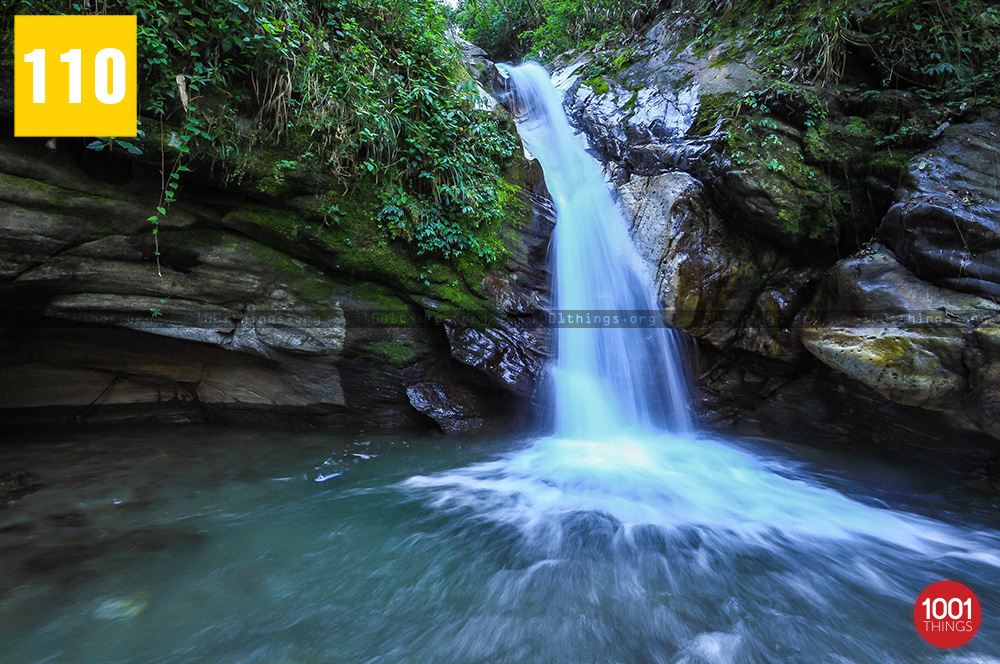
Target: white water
(626, 536)
(605, 377)
(624, 444)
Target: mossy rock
(399, 353)
(713, 108)
(849, 145)
(796, 202)
(598, 85)
(358, 247)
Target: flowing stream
(627, 534)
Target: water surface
(219, 545)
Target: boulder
(910, 341)
(710, 283)
(943, 226)
(453, 409)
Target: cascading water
(694, 529)
(617, 365)
(625, 535)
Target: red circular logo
(947, 614)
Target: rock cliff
(255, 311)
(802, 235)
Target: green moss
(597, 84)
(624, 59)
(724, 56)
(849, 145)
(438, 287)
(399, 353)
(888, 164)
(809, 206)
(356, 244)
(282, 222)
(892, 352)
(322, 138)
(372, 295)
(312, 287)
(631, 103)
(306, 282)
(276, 169)
(712, 108)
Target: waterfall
(617, 364)
(624, 444)
(632, 535)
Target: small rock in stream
(123, 608)
(16, 484)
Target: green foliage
(951, 48)
(580, 23)
(334, 92)
(858, 89)
(543, 29)
(502, 27)
(102, 142)
(942, 50)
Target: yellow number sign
(75, 76)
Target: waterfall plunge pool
(613, 540)
(219, 545)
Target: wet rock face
(915, 319)
(244, 325)
(453, 409)
(512, 351)
(944, 225)
(868, 321)
(710, 283)
(638, 113)
(513, 356)
(913, 343)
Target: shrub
(543, 29)
(370, 92)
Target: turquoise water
(219, 545)
(629, 535)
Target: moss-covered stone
(711, 109)
(399, 353)
(597, 84)
(808, 165)
(803, 202)
(357, 246)
(849, 145)
(892, 352)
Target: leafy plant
(942, 50)
(543, 29)
(372, 91)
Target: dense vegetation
(948, 47)
(842, 92)
(866, 82)
(938, 49)
(364, 98)
(542, 29)
(366, 101)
